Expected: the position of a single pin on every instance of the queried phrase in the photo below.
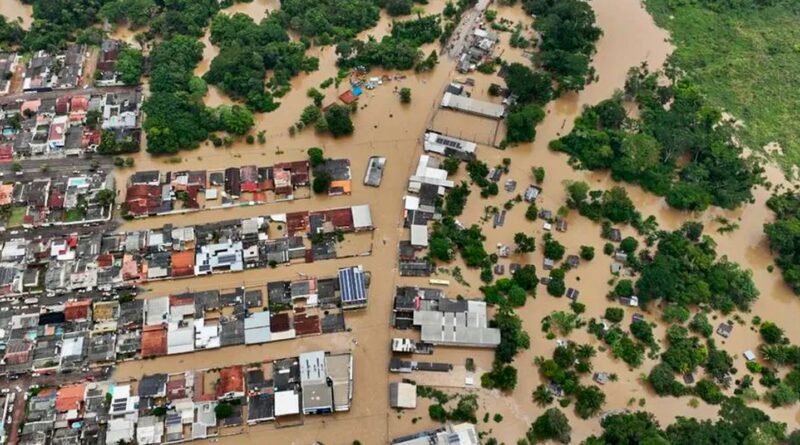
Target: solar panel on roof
(351, 282)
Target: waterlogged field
(745, 61)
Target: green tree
(551, 425)
(338, 119)
(589, 400)
(525, 243)
(614, 314)
(322, 182)
(770, 332)
(405, 95)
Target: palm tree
(585, 352)
(542, 396)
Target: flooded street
(386, 127)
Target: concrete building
(317, 395)
(461, 434)
(449, 146)
(472, 106)
(457, 325)
(402, 395)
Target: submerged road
(460, 39)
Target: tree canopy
(676, 124)
(784, 236)
(688, 272)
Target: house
(531, 193)
(120, 431)
(107, 74)
(231, 383)
(601, 377)
(573, 261)
(260, 408)
(353, 287)
(749, 355)
(725, 329)
(629, 301)
(149, 430)
(257, 328)
(573, 294)
(70, 397)
(153, 386)
(317, 395)
(402, 395)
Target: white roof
(362, 218)
(211, 193)
(419, 235)
(406, 396)
(287, 403)
(119, 430)
(411, 202)
(72, 347)
(149, 430)
(180, 339)
(312, 367)
(439, 143)
(155, 310)
(469, 105)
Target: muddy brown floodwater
(16, 10)
(386, 127)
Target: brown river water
(388, 128)
(16, 10)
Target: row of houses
(86, 334)
(104, 261)
(191, 405)
(58, 200)
(69, 125)
(427, 186)
(47, 71)
(152, 193)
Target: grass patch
(73, 215)
(745, 61)
(17, 217)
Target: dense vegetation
(176, 117)
(400, 50)
(679, 148)
(328, 21)
(532, 89)
(733, 37)
(784, 236)
(130, 65)
(564, 370)
(568, 36)
(11, 33)
(736, 424)
(57, 22)
(686, 271)
(247, 51)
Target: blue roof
(351, 283)
(357, 91)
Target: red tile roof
(231, 380)
(77, 310)
(154, 341)
(70, 397)
(183, 263)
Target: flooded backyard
(386, 127)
